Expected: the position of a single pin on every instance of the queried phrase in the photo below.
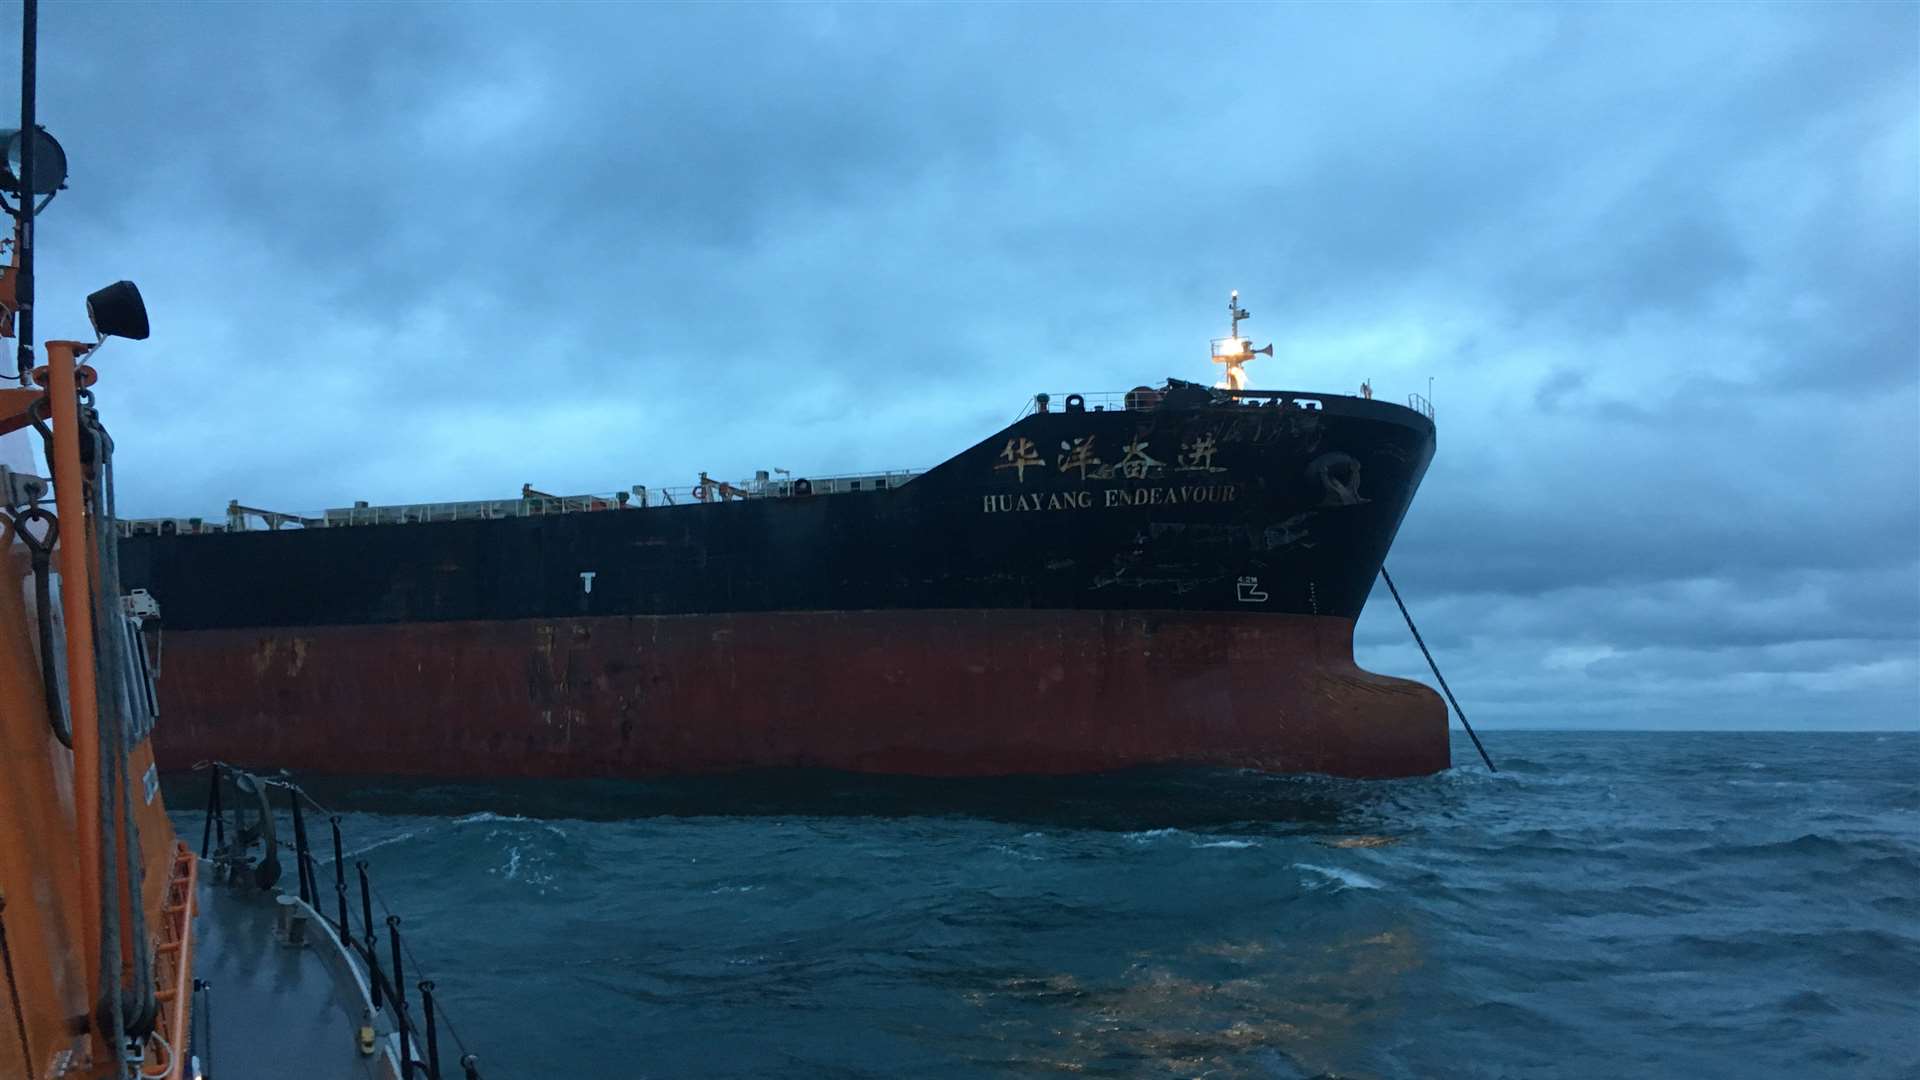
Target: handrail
(386, 993)
(640, 497)
(1136, 400)
(1141, 399)
(182, 885)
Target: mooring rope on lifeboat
(121, 731)
(40, 556)
(107, 1011)
(1457, 711)
(13, 992)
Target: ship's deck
(272, 1010)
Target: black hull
(1292, 513)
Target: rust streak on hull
(934, 693)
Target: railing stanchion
(300, 847)
(433, 1034)
(400, 998)
(372, 947)
(399, 973)
(339, 877)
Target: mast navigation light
(1234, 350)
(49, 162)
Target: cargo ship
(1164, 576)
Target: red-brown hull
(936, 693)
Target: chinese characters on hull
(1078, 454)
(1136, 465)
(1196, 454)
(1081, 458)
(1019, 456)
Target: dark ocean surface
(1609, 905)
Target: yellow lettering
(1110, 498)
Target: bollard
(339, 877)
(433, 1032)
(470, 1066)
(291, 924)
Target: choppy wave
(1607, 905)
(1349, 879)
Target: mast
(23, 233)
(1233, 350)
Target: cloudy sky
(1661, 264)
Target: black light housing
(49, 162)
(118, 311)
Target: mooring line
(1388, 578)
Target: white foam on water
(733, 889)
(1149, 835)
(486, 815)
(1347, 879)
(1229, 844)
(408, 835)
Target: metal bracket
(22, 489)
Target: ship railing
(255, 820)
(639, 497)
(1143, 398)
(1097, 401)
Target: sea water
(1608, 905)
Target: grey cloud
(1664, 264)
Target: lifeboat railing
(415, 1044)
